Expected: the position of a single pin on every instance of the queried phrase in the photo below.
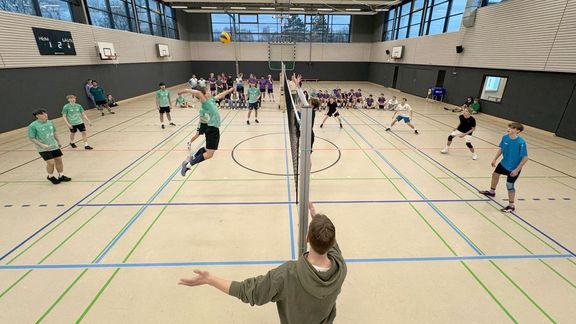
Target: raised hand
(202, 278)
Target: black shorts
(240, 88)
(164, 110)
(500, 169)
(212, 137)
(101, 102)
(202, 129)
(262, 90)
(49, 155)
(79, 127)
(333, 113)
(270, 90)
(253, 105)
(381, 106)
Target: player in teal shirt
(163, 104)
(514, 155)
(208, 111)
(253, 96)
(73, 114)
(100, 98)
(43, 133)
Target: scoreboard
(54, 42)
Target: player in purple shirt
(370, 102)
(351, 98)
(262, 83)
(381, 101)
(359, 99)
(270, 87)
(252, 80)
(212, 83)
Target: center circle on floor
(247, 154)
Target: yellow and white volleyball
(225, 38)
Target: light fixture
(324, 9)
(179, 7)
(297, 9)
(209, 8)
(267, 8)
(381, 9)
(353, 9)
(237, 8)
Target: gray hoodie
(301, 293)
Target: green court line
(485, 217)
(438, 235)
(85, 223)
(44, 181)
(560, 182)
(61, 296)
(3, 184)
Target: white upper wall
(517, 34)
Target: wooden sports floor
(422, 245)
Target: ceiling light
(381, 9)
(297, 9)
(324, 9)
(267, 8)
(207, 7)
(237, 8)
(353, 9)
(178, 7)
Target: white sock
(50, 175)
(85, 143)
(188, 165)
(56, 175)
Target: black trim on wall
(539, 99)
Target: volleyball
(225, 38)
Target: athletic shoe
(53, 180)
(102, 113)
(321, 125)
(87, 147)
(387, 128)
(184, 168)
(72, 145)
(163, 126)
(64, 179)
(256, 120)
(247, 122)
(487, 193)
(112, 113)
(340, 125)
(189, 146)
(508, 209)
(172, 124)
(446, 108)
(474, 156)
(444, 150)
(416, 132)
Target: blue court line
(289, 202)
(292, 252)
(431, 205)
(92, 192)
(270, 262)
(472, 186)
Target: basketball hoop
(113, 58)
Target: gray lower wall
(545, 100)
(33, 88)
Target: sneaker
(64, 179)
(189, 146)
(53, 180)
(184, 168)
(72, 145)
(163, 126)
(474, 156)
(172, 124)
(446, 108)
(444, 150)
(416, 132)
(487, 193)
(102, 113)
(321, 125)
(256, 120)
(247, 122)
(387, 128)
(112, 113)
(87, 147)
(340, 125)
(508, 209)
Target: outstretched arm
(223, 94)
(194, 93)
(205, 278)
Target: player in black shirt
(465, 128)
(332, 111)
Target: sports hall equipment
(225, 38)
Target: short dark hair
(161, 84)
(315, 103)
(94, 81)
(38, 112)
(321, 234)
(516, 125)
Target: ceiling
(349, 7)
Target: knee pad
(450, 138)
(469, 144)
(510, 187)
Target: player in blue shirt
(514, 155)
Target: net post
(305, 164)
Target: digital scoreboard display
(54, 42)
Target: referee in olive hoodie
(304, 291)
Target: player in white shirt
(405, 113)
(193, 82)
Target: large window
(55, 9)
(415, 18)
(153, 17)
(293, 28)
